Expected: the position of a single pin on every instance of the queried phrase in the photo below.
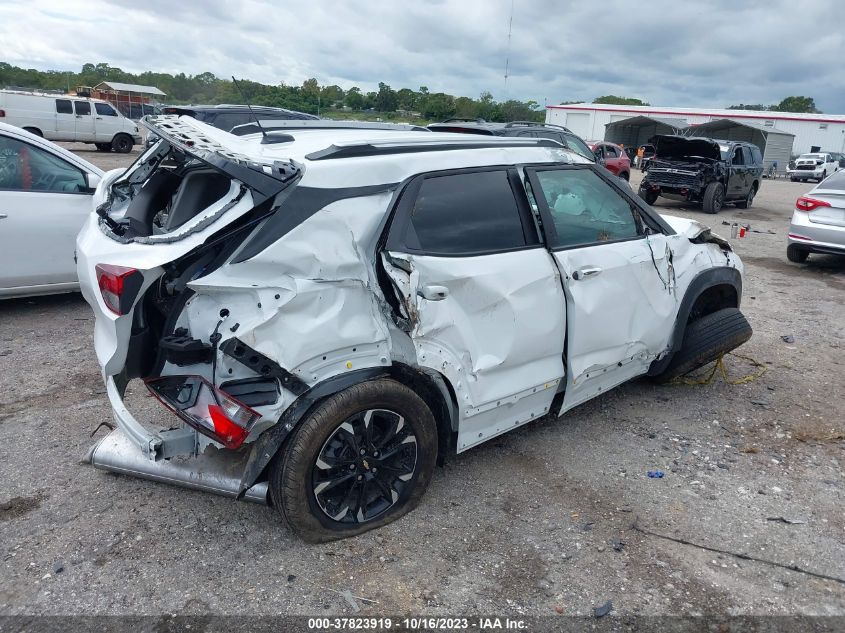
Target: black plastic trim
(263, 366)
(356, 151)
(722, 275)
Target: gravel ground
(539, 521)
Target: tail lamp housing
(807, 204)
(208, 409)
(119, 286)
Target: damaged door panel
(618, 278)
(469, 268)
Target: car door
(84, 121)
(107, 123)
(65, 120)
(44, 201)
(737, 179)
(481, 294)
(615, 264)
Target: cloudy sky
(704, 53)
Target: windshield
(812, 156)
(580, 147)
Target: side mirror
(93, 180)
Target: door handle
(583, 273)
(433, 293)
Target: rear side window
(104, 109)
(229, 120)
(64, 106)
(82, 108)
(610, 151)
(467, 213)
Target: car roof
(34, 139)
(385, 152)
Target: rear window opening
(176, 192)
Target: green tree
(796, 104)
(354, 99)
(385, 99)
(438, 106)
(407, 99)
(614, 100)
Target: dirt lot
(539, 521)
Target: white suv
(331, 312)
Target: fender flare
(268, 443)
(720, 276)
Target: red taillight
(209, 410)
(807, 204)
(118, 286)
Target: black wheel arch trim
(720, 276)
(268, 443)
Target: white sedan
(45, 197)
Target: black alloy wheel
(364, 466)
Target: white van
(69, 118)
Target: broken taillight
(118, 285)
(208, 409)
(807, 204)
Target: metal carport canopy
(637, 130)
(775, 144)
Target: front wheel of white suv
(360, 459)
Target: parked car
(68, 118)
(818, 222)
(332, 313)
(815, 166)
(704, 171)
(519, 129)
(612, 157)
(45, 197)
(226, 117)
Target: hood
(695, 231)
(671, 146)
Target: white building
(588, 120)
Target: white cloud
(669, 53)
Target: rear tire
(625, 176)
(650, 197)
(796, 254)
(705, 340)
(749, 199)
(34, 130)
(122, 143)
(103, 147)
(323, 449)
(714, 198)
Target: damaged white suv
(329, 312)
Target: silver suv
(329, 313)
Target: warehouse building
(810, 132)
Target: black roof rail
(537, 124)
(464, 119)
(322, 124)
(374, 149)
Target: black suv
(528, 129)
(703, 171)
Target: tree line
(310, 97)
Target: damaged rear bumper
(210, 471)
(171, 456)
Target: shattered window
(464, 214)
(585, 209)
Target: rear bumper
(815, 237)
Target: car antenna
(243, 96)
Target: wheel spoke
(333, 482)
(386, 491)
